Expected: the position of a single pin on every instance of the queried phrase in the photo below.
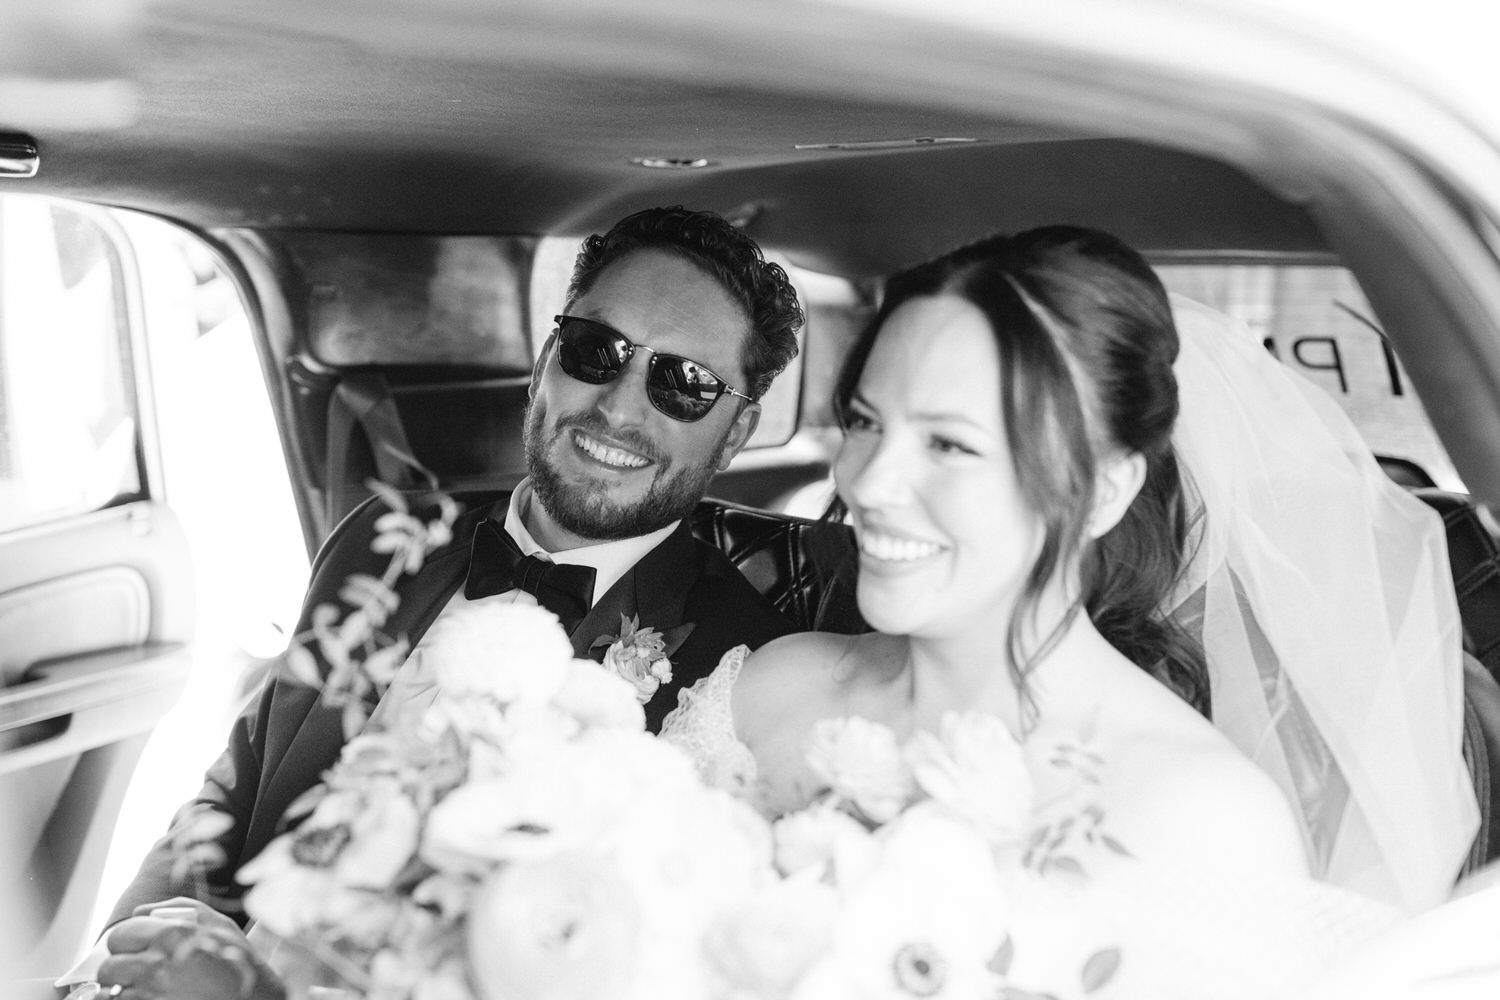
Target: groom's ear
(739, 434)
(540, 365)
(1116, 483)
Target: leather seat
(805, 568)
(1474, 556)
(1482, 755)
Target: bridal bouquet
(524, 837)
(528, 839)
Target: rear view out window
(1315, 319)
(68, 423)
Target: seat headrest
(805, 568)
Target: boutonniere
(640, 655)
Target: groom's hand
(184, 950)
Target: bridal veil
(1322, 595)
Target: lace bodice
(702, 725)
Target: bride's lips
(606, 453)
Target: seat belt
(363, 399)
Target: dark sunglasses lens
(590, 352)
(681, 388)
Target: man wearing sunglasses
(674, 326)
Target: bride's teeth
(608, 455)
(893, 549)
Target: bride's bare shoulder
(1195, 799)
(789, 676)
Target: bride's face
(945, 535)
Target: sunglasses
(594, 353)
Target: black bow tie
(497, 565)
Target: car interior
(397, 190)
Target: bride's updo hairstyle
(1086, 343)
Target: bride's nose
(874, 473)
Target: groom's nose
(623, 402)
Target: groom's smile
(611, 456)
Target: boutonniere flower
(637, 654)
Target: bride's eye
(857, 420)
(950, 446)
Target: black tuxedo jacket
(281, 746)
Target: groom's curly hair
(1086, 341)
(722, 252)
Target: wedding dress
(1321, 594)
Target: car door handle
(94, 699)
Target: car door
(95, 581)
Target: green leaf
(1100, 969)
(302, 665)
(1067, 864)
(1000, 961)
(354, 719)
(392, 496)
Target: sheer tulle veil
(1322, 595)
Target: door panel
(96, 588)
(95, 616)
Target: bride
(1027, 505)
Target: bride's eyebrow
(950, 417)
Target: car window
(69, 426)
(436, 300)
(1315, 319)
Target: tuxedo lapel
(654, 591)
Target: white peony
(976, 767)
(512, 652)
(826, 839)
(862, 762)
(927, 921)
(762, 946)
(688, 857)
(560, 928)
(525, 813)
(599, 699)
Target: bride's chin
(889, 612)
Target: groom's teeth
(893, 549)
(609, 456)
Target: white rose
(862, 762)
(823, 838)
(976, 767)
(599, 699)
(562, 928)
(533, 811)
(763, 946)
(511, 652)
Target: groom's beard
(586, 509)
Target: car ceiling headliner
(462, 117)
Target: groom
(674, 326)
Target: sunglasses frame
(630, 348)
